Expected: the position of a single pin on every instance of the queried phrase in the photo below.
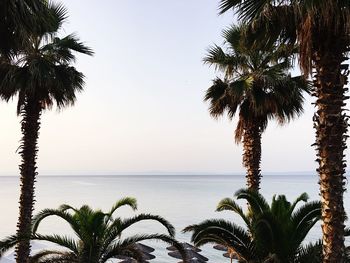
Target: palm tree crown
(256, 84)
(273, 233)
(98, 234)
(305, 22)
(17, 19)
(42, 70)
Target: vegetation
(273, 233)
(36, 66)
(257, 87)
(98, 235)
(322, 30)
(40, 75)
(17, 19)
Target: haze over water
(181, 199)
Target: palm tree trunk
(252, 155)
(331, 127)
(30, 126)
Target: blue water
(181, 199)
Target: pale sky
(142, 110)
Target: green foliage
(41, 70)
(257, 84)
(98, 235)
(272, 233)
(18, 19)
(312, 23)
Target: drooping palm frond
(224, 233)
(143, 217)
(63, 241)
(256, 201)
(126, 201)
(55, 212)
(53, 256)
(228, 204)
(7, 243)
(310, 253)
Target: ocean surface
(182, 199)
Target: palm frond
(7, 243)
(226, 5)
(221, 232)
(304, 197)
(228, 204)
(63, 241)
(53, 256)
(142, 217)
(310, 253)
(256, 201)
(126, 201)
(37, 219)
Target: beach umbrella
(190, 255)
(144, 248)
(185, 246)
(146, 256)
(131, 260)
(193, 260)
(220, 247)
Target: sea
(181, 199)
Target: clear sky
(142, 110)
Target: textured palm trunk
(331, 127)
(30, 126)
(252, 155)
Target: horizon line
(159, 173)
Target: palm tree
(98, 235)
(322, 30)
(257, 87)
(40, 75)
(272, 234)
(17, 19)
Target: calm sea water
(181, 199)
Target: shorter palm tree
(257, 87)
(273, 233)
(98, 235)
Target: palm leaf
(228, 204)
(63, 241)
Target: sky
(142, 110)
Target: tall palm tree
(322, 30)
(41, 75)
(257, 87)
(98, 235)
(272, 233)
